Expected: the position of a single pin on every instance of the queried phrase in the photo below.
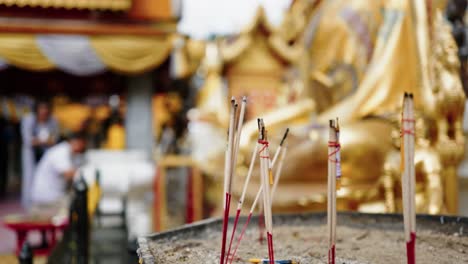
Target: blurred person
(115, 132)
(54, 173)
(93, 129)
(39, 131)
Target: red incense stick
(271, 250)
(410, 249)
(225, 225)
(236, 220)
(331, 255)
(244, 228)
(254, 205)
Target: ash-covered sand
(308, 245)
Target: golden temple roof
(114, 5)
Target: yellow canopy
(131, 54)
(115, 5)
(121, 53)
(22, 51)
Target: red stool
(22, 225)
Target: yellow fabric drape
(125, 54)
(22, 51)
(131, 54)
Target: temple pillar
(138, 121)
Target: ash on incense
(361, 238)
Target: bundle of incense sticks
(408, 180)
(247, 180)
(234, 134)
(236, 151)
(241, 199)
(333, 167)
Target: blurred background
(144, 86)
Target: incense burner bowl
(361, 238)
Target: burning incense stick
(333, 148)
(408, 176)
(264, 169)
(278, 150)
(227, 177)
(280, 165)
(236, 150)
(412, 168)
(240, 123)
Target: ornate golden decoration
(362, 55)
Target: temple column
(139, 119)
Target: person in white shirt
(55, 170)
(39, 131)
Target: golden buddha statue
(356, 59)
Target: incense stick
(408, 176)
(331, 201)
(280, 165)
(236, 150)
(227, 178)
(411, 165)
(247, 179)
(338, 155)
(266, 180)
(278, 150)
(240, 122)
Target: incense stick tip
(244, 98)
(233, 100)
(284, 136)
